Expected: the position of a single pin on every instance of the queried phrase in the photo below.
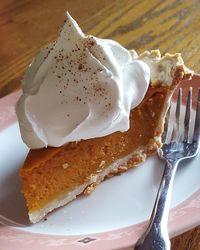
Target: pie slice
(52, 177)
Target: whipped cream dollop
(79, 87)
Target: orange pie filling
(53, 172)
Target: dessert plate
(112, 217)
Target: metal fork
(177, 147)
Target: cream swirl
(80, 87)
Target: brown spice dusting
(80, 66)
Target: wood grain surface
(172, 26)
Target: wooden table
(172, 26)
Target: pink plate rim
(182, 218)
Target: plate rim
(183, 217)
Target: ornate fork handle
(156, 236)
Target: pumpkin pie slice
(52, 177)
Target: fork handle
(156, 236)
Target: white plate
(116, 207)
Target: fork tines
(187, 120)
(174, 130)
(177, 127)
(196, 136)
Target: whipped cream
(79, 87)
